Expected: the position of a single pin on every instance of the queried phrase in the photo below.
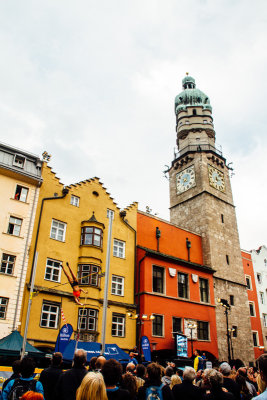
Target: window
(234, 331)
(118, 248)
(75, 200)
(158, 279)
(7, 264)
(182, 285)
(157, 325)
(262, 299)
(227, 259)
(88, 318)
(49, 315)
(204, 290)
(117, 285)
(176, 324)
(251, 309)
(118, 325)
(222, 218)
(110, 213)
(58, 230)
(259, 278)
(21, 193)
(91, 236)
(53, 270)
(265, 320)
(14, 226)
(232, 300)
(255, 339)
(248, 282)
(88, 274)
(202, 330)
(19, 161)
(194, 111)
(3, 307)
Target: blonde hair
(92, 388)
(175, 380)
(261, 384)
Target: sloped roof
(11, 345)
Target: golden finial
(187, 73)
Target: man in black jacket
(70, 380)
(229, 383)
(50, 376)
(186, 390)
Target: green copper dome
(191, 97)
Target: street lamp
(140, 319)
(224, 303)
(191, 326)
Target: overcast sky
(93, 83)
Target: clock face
(185, 179)
(216, 178)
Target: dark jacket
(186, 391)
(49, 378)
(219, 395)
(166, 391)
(232, 387)
(118, 394)
(13, 376)
(69, 382)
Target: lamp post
(140, 319)
(224, 303)
(231, 330)
(191, 326)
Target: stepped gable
(54, 173)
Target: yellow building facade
(20, 180)
(71, 226)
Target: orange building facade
(174, 290)
(253, 304)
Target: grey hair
(215, 379)
(189, 374)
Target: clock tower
(201, 200)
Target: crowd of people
(108, 380)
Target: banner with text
(63, 337)
(145, 344)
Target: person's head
(130, 367)
(32, 396)
(112, 372)
(57, 359)
(16, 367)
(189, 374)
(225, 369)
(27, 367)
(92, 387)
(79, 359)
(261, 385)
(215, 380)
(175, 380)
(140, 370)
(154, 371)
(196, 353)
(92, 363)
(242, 371)
(262, 363)
(128, 382)
(169, 371)
(100, 361)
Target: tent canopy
(93, 350)
(11, 346)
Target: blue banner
(146, 348)
(63, 337)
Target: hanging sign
(63, 337)
(146, 348)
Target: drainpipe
(188, 246)
(158, 235)
(65, 191)
(138, 334)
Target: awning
(93, 350)
(11, 346)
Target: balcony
(198, 148)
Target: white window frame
(110, 213)
(250, 284)
(163, 325)
(264, 316)
(53, 268)
(50, 313)
(7, 264)
(254, 313)
(259, 278)
(198, 329)
(55, 226)
(3, 306)
(257, 338)
(118, 248)
(118, 324)
(17, 161)
(117, 285)
(262, 297)
(74, 200)
(16, 226)
(23, 194)
(87, 317)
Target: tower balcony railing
(198, 148)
